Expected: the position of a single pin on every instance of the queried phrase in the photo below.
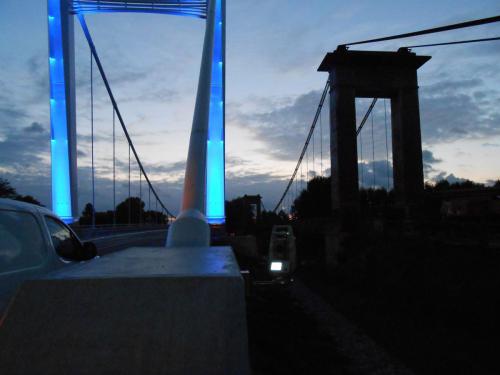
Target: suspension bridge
(377, 152)
(185, 305)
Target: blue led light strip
(215, 143)
(61, 185)
(193, 8)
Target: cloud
(428, 160)
(25, 150)
(378, 173)
(38, 68)
(428, 157)
(451, 178)
(285, 127)
(268, 186)
(452, 110)
(11, 114)
(36, 128)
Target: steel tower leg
(191, 226)
(215, 142)
(62, 110)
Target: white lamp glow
(276, 266)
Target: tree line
(129, 211)
(9, 192)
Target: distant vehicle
(33, 242)
(282, 254)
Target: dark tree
(28, 199)
(6, 190)
(86, 218)
(465, 184)
(315, 201)
(131, 208)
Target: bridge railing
(87, 231)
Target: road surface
(109, 244)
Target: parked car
(33, 242)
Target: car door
(23, 251)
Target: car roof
(11, 204)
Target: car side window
(65, 243)
(21, 241)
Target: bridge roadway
(115, 242)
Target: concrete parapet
(140, 311)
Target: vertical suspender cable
(313, 167)
(92, 136)
(321, 141)
(373, 155)
(361, 156)
(386, 144)
(114, 171)
(140, 197)
(307, 167)
(86, 32)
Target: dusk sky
(274, 48)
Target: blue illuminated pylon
(215, 142)
(62, 110)
(62, 102)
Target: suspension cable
(370, 108)
(455, 26)
(311, 130)
(86, 32)
(457, 42)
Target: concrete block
(140, 311)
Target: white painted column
(191, 227)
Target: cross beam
(194, 8)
